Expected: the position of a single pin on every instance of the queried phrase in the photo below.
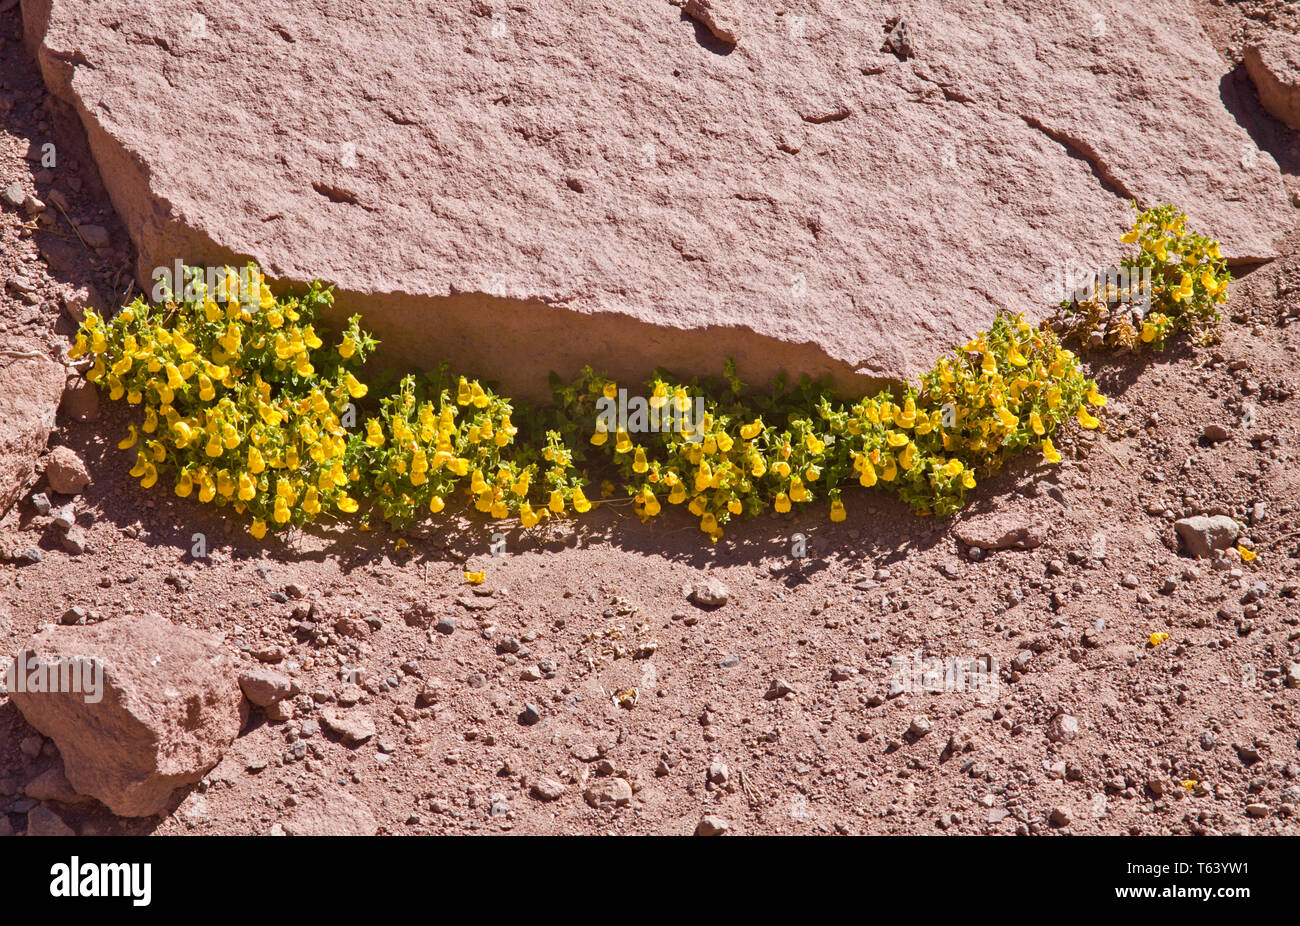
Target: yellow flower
(1050, 453)
(1036, 423)
(184, 485)
(1247, 555)
(837, 511)
(258, 529)
(751, 430)
(374, 433)
(1096, 398)
(782, 503)
(128, 442)
(1157, 638)
(476, 578)
(1087, 420)
(346, 503)
(355, 389)
(1189, 783)
(580, 503)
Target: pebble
(547, 789)
(778, 689)
(608, 792)
(95, 235)
(445, 626)
(919, 727)
(710, 593)
(712, 825)
(1063, 728)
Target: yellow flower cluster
(242, 401)
(1010, 387)
(417, 451)
(245, 406)
(1189, 280)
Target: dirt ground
(793, 708)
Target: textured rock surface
(1203, 534)
(30, 390)
(614, 184)
(334, 813)
(66, 472)
(1273, 63)
(170, 706)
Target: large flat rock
(532, 186)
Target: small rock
(1202, 535)
(1214, 433)
(1063, 728)
(353, 727)
(264, 687)
(95, 235)
(1060, 816)
(778, 689)
(711, 825)
(709, 594)
(547, 789)
(65, 471)
(608, 792)
(41, 821)
(919, 727)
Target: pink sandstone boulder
(168, 706)
(31, 387)
(1273, 62)
(822, 188)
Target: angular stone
(264, 687)
(1203, 534)
(65, 471)
(435, 169)
(353, 727)
(334, 813)
(608, 792)
(53, 785)
(30, 390)
(1273, 63)
(169, 707)
(41, 821)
